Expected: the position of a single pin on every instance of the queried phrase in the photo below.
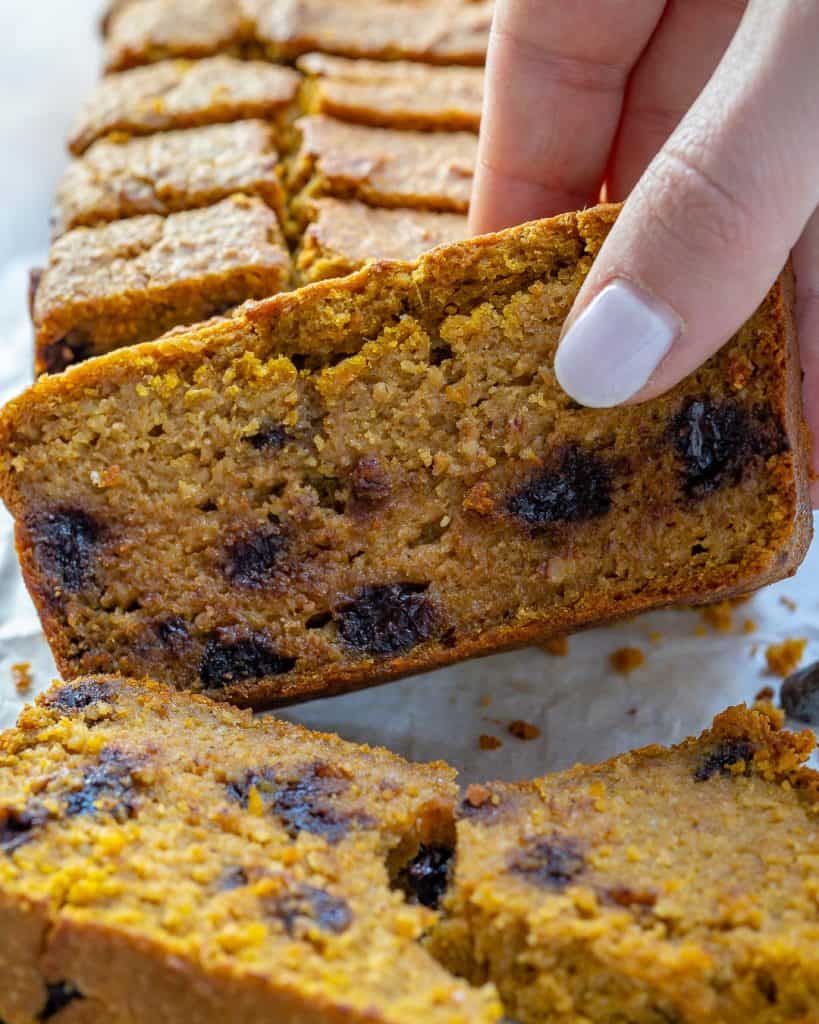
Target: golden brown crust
(344, 235)
(393, 94)
(131, 280)
(168, 172)
(424, 463)
(177, 94)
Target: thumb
(711, 223)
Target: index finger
(556, 75)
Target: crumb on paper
(789, 603)
(627, 659)
(766, 694)
(557, 646)
(631, 712)
(784, 657)
(523, 730)
(477, 795)
(701, 631)
(754, 650)
(486, 700)
(487, 742)
(655, 636)
(21, 677)
(749, 626)
(720, 616)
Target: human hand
(705, 114)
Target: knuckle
(692, 207)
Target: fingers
(555, 79)
(685, 49)
(806, 264)
(711, 222)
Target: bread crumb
(655, 636)
(477, 796)
(788, 603)
(626, 659)
(557, 646)
(749, 626)
(765, 694)
(21, 677)
(487, 742)
(701, 631)
(486, 700)
(523, 730)
(719, 617)
(785, 657)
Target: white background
(48, 62)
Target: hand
(705, 113)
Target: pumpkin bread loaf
(131, 280)
(379, 474)
(177, 94)
(393, 94)
(664, 885)
(164, 858)
(344, 235)
(168, 172)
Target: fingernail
(613, 347)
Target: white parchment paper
(584, 710)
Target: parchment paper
(584, 710)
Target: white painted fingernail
(614, 346)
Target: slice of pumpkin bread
(664, 885)
(379, 474)
(165, 858)
(177, 94)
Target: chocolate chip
(254, 560)
(108, 787)
(19, 827)
(800, 694)
(232, 878)
(80, 696)
(720, 759)
(231, 659)
(59, 995)
(553, 863)
(716, 442)
(388, 619)
(173, 634)
(575, 489)
(302, 800)
(65, 541)
(307, 904)
(425, 878)
(270, 435)
(58, 355)
(370, 481)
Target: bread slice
(165, 858)
(378, 475)
(664, 885)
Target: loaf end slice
(375, 476)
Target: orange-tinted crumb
(21, 677)
(749, 626)
(477, 796)
(626, 659)
(523, 730)
(719, 617)
(788, 603)
(655, 636)
(558, 646)
(765, 694)
(486, 700)
(785, 657)
(487, 742)
(701, 631)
